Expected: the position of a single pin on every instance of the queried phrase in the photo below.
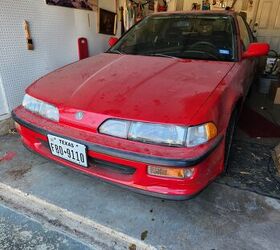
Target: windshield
(205, 37)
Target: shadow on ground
(220, 217)
(251, 168)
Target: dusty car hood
(133, 87)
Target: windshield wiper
(115, 51)
(164, 55)
(202, 52)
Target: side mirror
(256, 50)
(112, 41)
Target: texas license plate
(68, 150)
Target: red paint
(256, 49)
(8, 156)
(112, 41)
(115, 85)
(205, 171)
(141, 88)
(83, 48)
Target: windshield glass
(205, 37)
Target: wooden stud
(29, 41)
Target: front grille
(112, 166)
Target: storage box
(274, 93)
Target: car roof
(197, 12)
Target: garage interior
(47, 205)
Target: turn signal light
(178, 173)
(211, 130)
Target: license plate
(68, 150)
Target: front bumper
(122, 167)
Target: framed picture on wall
(107, 22)
(77, 4)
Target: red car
(156, 112)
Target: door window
(245, 35)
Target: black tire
(229, 137)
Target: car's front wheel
(229, 137)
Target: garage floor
(221, 217)
(20, 232)
(251, 166)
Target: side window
(245, 36)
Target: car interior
(192, 37)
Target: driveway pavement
(20, 232)
(221, 217)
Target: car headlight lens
(156, 133)
(145, 132)
(170, 135)
(200, 134)
(118, 128)
(41, 108)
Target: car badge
(79, 116)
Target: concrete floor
(20, 232)
(219, 218)
(262, 104)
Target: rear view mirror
(256, 50)
(113, 41)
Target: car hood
(154, 89)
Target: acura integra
(156, 113)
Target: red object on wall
(162, 8)
(83, 48)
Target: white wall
(251, 11)
(54, 32)
(187, 4)
(172, 5)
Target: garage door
(267, 24)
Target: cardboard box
(274, 93)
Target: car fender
(229, 94)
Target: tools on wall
(122, 19)
(29, 41)
(133, 11)
(162, 6)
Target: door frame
(6, 113)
